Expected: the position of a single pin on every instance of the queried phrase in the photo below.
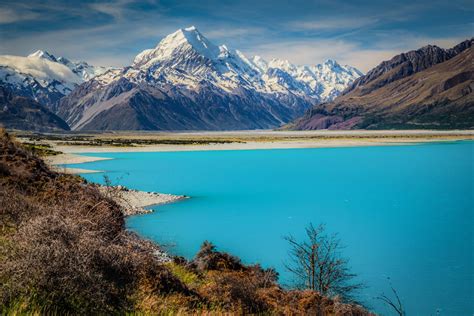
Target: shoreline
(57, 162)
(71, 151)
(74, 154)
(132, 202)
(135, 202)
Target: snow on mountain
(333, 78)
(175, 43)
(322, 81)
(41, 69)
(80, 68)
(43, 77)
(43, 55)
(186, 56)
(188, 50)
(187, 82)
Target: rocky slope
(427, 88)
(188, 83)
(17, 112)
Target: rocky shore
(135, 202)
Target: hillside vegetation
(64, 249)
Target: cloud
(113, 9)
(113, 42)
(116, 44)
(40, 68)
(9, 15)
(112, 32)
(111, 45)
(314, 51)
(416, 41)
(366, 59)
(117, 9)
(303, 51)
(332, 24)
(311, 52)
(229, 32)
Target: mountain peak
(190, 28)
(42, 54)
(193, 37)
(331, 63)
(182, 40)
(281, 63)
(429, 46)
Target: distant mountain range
(426, 88)
(184, 83)
(43, 77)
(188, 83)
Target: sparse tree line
(317, 265)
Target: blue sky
(358, 32)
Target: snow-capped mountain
(43, 77)
(325, 81)
(80, 68)
(187, 82)
(232, 69)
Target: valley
(163, 157)
(67, 146)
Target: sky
(361, 33)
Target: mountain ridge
(410, 62)
(426, 88)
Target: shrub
(209, 259)
(63, 245)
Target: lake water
(401, 211)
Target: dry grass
(64, 246)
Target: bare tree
(318, 266)
(396, 304)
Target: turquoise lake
(404, 212)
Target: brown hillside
(440, 96)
